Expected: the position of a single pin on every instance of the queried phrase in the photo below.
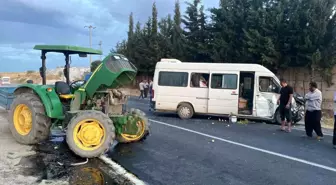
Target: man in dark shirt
(285, 101)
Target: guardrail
(6, 96)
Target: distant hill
(76, 73)
(53, 75)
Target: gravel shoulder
(12, 167)
(10, 155)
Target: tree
(130, 26)
(94, 65)
(177, 38)
(165, 35)
(130, 41)
(191, 25)
(276, 34)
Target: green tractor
(91, 112)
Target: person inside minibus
(198, 80)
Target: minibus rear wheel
(185, 111)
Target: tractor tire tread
(41, 122)
(109, 128)
(142, 115)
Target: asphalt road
(210, 152)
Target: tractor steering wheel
(76, 84)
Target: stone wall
(299, 79)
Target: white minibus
(245, 90)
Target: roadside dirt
(10, 155)
(22, 77)
(327, 122)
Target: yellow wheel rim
(141, 130)
(23, 119)
(89, 134)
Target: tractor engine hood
(115, 71)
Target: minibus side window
(224, 81)
(173, 79)
(267, 84)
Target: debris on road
(75, 164)
(62, 167)
(53, 182)
(245, 121)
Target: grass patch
(243, 122)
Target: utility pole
(100, 47)
(90, 33)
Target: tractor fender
(50, 100)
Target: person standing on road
(150, 94)
(146, 88)
(285, 102)
(142, 88)
(313, 111)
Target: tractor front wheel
(90, 134)
(29, 122)
(142, 128)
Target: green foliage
(196, 33)
(30, 71)
(94, 65)
(276, 34)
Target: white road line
(250, 147)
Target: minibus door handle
(234, 93)
(202, 98)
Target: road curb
(121, 172)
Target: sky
(25, 23)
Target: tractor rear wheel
(90, 133)
(143, 128)
(29, 122)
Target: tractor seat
(63, 90)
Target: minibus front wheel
(185, 111)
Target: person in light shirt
(142, 89)
(313, 111)
(203, 82)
